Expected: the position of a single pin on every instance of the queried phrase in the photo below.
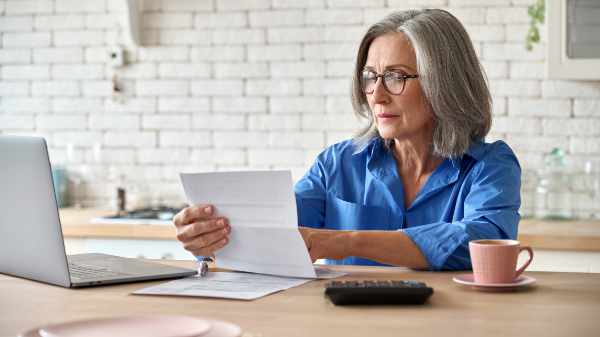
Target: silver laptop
(31, 240)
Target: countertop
(572, 235)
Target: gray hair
(451, 77)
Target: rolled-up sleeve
(491, 211)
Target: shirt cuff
(437, 241)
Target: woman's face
(404, 116)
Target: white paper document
(261, 209)
(231, 285)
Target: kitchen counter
(571, 235)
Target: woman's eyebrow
(393, 66)
(399, 65)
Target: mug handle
(522, 269)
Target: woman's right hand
(200, 231)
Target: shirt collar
(476, 151)
(375, 150)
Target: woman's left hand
(326, 243)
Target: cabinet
(573, 51)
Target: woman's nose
(380, 94)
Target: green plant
(536, 13)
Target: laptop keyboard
(86, 271)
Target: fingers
(210, 249)
(205, 241)
(200, 231)
(192, 214)
(199, 228)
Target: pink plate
(146, 325)
(467, 279)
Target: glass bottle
(553, 192)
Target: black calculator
(371, 292)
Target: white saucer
(141, 325)
(467, 279)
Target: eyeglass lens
(393, 82)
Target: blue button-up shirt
(475, 196)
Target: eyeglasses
(393, 81)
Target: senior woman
(416, 185)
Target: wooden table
(560, 304)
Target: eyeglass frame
(387, 72)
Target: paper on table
(261, 209)
(232, 285)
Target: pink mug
(495, 261)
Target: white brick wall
(36, 39)
(170, 20)
(218, 53)
(166, 122)
(59, 22)
(77, 105)
(24, 72)
(307, 105)
(276, 18)
(217, 87)
(77, 72)
(218, 122)
(281, 87)
(78, 38)
(297, 69)
(15, 23)
(15, 56)
(273, 53)
(333, 16)
(241, 70)
(238, 36)
(229, 5)
(263, 84)
(539, 107)
(28, 7)
(179, 5)
(14, 88)
(250, 139)
(162, 87)
(239, 104)
(58, 55)
(183, 104)
(290, 35)
(271, 122)
(184, 139)
(80, 6)
(184, 70)
(55, 88)
(143, 139)
(587, 107)
(112, 122)
(25, 104)
(228, 20)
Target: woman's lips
(386, 115)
